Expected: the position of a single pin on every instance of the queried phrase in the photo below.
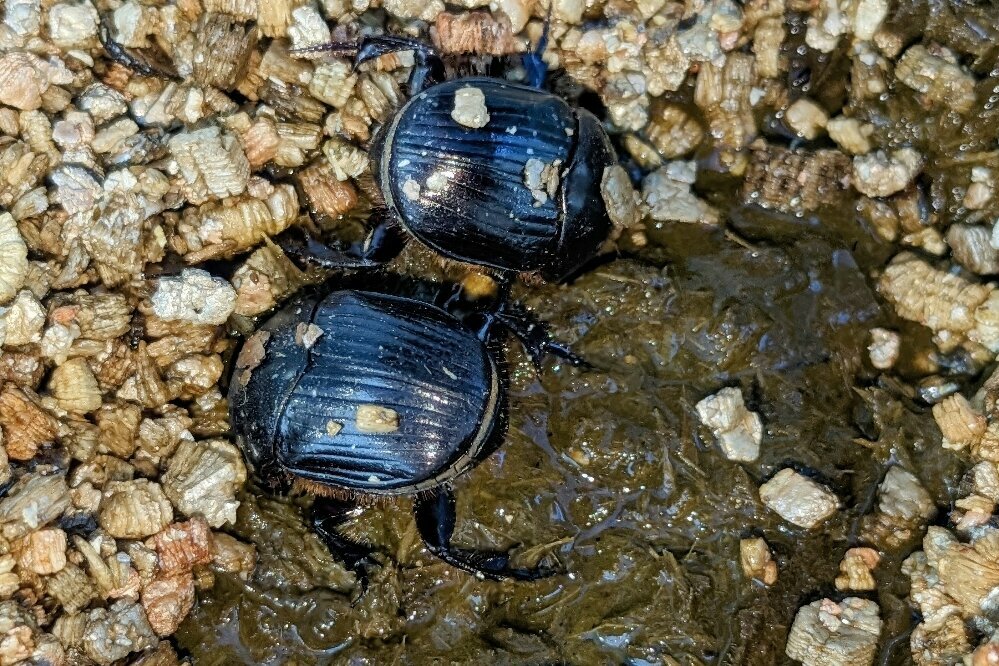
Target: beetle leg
(535, 335)
(381, 245)
(327, 515)
(429, 66)
(435, 518)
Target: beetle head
(585, 223)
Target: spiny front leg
(435, 519)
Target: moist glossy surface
(472, 203)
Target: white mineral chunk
(738, 430)
(23, 321)
(112, 634)
(194, 296)
(798, 499)
(826, 633)
(308, 28)
(541, 179)
(13, 258)
(72, 23)
(901, 496)
(884, 348)
(411, 189)
(806, 118)
(667, 194)
(881, 174)
(470, 107)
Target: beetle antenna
(539, 50)
(534, 63)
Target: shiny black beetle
(489, 172)
(357, 394)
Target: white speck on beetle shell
(374, 479)
(411, 189)
(511, 130)
(333, 428)
(569, 131)
(449, 373)
(470, 107)
(541, 179)
(437, 181)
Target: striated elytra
(357, 393)
(303, 407)
(466, 191)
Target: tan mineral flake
(23, 80)
(26, 424)
(21, 323)
(333, 82)
(195, 297)
(722, 94)
(18, 633)
(134, 509)
(806, 118)
(222, 48)
(71, 587)
(949, 305)
(850, 134)
(884, 347)
(826, 633)
(480, 32)
(793, 181)
(972, 247)
(73, 24)
(43, 552)
(855, 570)
(470, 107)
(667, 195)
(74, 387)
(211, 164)
(375, 418)
(202, 478)
(960, 424)
(674, 132)
(9, 580)
(233, 556)
(324, 193)
(621, 199)
(756, 560)
(939, 80)
(222, 229)
(34, 502)
(182, 546)
(167, 600)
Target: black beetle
(359, 394)
(488, 172)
